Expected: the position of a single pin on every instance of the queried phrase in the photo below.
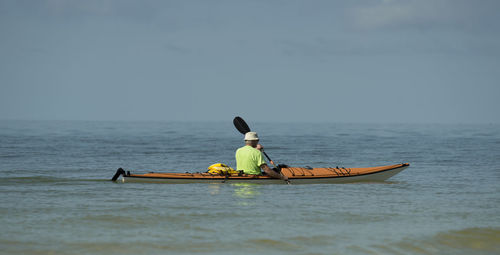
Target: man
(249, 158)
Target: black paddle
(242, 126)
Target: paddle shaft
(268, 158)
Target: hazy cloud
(424, 14)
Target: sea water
(56, 197)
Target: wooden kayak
(296, 175)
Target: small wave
(274, 244)
(470, 240)
(11, 156)
(317, 240)
(44, 179)
(465, 241)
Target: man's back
(249, 160)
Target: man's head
(251, 138)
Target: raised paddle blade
(241, 125)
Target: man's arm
(272, 173)
(261, 148)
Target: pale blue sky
(337, 61)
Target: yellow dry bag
(221, 169)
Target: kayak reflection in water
(246, 190)
(246, 193)
(249, 158)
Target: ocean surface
(56, 197)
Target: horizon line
(255, 121)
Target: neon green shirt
(249, 160)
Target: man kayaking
(249, 158)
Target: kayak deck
(296, 175)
